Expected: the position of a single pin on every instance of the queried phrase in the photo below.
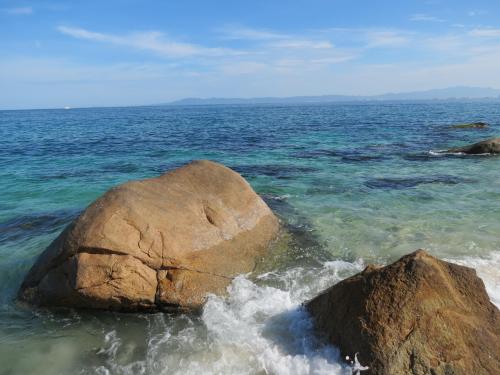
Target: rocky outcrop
(489, 146)
(160, 243)
(417, 316)
(471, 125)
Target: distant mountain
(451, 93)
(459, 92)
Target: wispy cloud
(385, 38)
(18, 10)
(474, 13)
(257, 57)
(153, 41)
(421, 17)
(248, 33)
(272, 38)
(261, 61)
(486, 32)
(303, 44)
(262, 49)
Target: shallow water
(354, 183)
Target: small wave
(281, 197)
(445, 153)
(451, 153)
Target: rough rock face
(159, 243)
(489, 146)
(417, 316)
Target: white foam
(444, 153)
(447, 152)
(257, 328)
(488, 269)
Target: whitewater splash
(488, 269)
(451, 153)
(356, 367)
(445, 153)
(259, 328)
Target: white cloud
(267, 62)
(266, 48)
(420, 17)
(273, 39)
(382, 38)
(489, 33)
(248, 33)
(303, 44)
(474, 13)
(19, 10)
(153, 41)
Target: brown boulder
(489, 146)
(417, 316)
(159, 243)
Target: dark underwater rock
(409, 182)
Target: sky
(136, 52)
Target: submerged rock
(489, 146)
(159, 243)
(471, 125)
(419, 315)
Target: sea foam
(257, 328)
(488, 269)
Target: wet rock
(489, 146)
(471, 125)
(417, 316)
(160, 243)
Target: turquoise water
(354, 183)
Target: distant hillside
(451, 93)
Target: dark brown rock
(417, 316)
(489, 146)
(159, 243)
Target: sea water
(354, 183)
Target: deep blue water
(358, 179)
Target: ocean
(354, 183)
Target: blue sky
(131, 52)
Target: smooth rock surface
(417, 316)
(489, 146)
(159, 243)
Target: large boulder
(489, 146)
(417, 316)
(159, 243)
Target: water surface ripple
(355, 183)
